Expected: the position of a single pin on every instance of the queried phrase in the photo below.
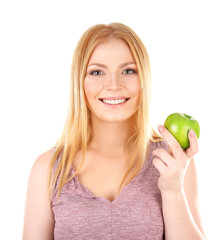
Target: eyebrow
(104, 66)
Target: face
(112, 73)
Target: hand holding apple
(172, 161)
(179, 125)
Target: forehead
(113, 48)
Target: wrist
(173, 196)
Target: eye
(130, 71)
(95, 72)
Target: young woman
(110, 175)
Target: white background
(183, 39)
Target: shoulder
(38, 178)
(43, 159)
(41, 165)
(39, 175)
(38, 218)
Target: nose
(114, 82)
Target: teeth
(114, 101)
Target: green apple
(179, 125)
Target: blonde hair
(77, 129)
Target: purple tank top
(136, 214)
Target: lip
(114, 98)
(114, 105)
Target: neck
(109, 139)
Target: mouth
(114, 103)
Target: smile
(114, 103)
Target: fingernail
(192, 133)
(161, 128)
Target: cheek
(135, 88)
(90, 88)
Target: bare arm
(191, 193)
(178, 186)
(181, 213)
(38, 217)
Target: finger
(159, 165)
(193, 149)
(174, 145)
(164, 156)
